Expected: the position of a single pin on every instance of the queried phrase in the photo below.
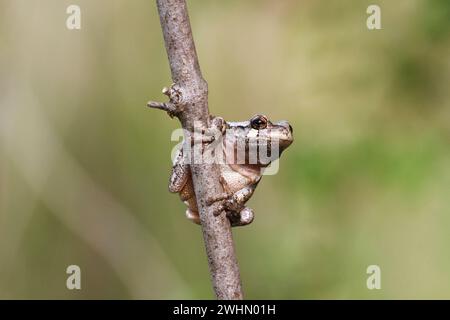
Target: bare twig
(189, 103)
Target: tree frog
(242, 168)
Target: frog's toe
(219, 124)
(247, 216)
(193, 216)
(216, 198)
(242, 218)
(218, 210)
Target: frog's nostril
(290, 128)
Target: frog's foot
(193, 216)
(238, 214)
(174, 107)
(222, 202)
(219, 198)
(213, 133)
(218, 125)
(242, 218)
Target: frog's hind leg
(181, 173)
(193, 216)
(233, 202)
(192, 210)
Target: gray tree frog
(238, 178)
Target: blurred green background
(84, 165)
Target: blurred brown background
(84, 165)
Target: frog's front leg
(234, 205)
(213, 133)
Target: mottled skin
(238, 178)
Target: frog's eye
(258, 122)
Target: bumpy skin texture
(238, 178)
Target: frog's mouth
(267, 150)
(280, 138)
(285, 135)
(285, 143)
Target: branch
(189, 103)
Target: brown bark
(189, 103)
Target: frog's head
(267, 131)
(260, 132)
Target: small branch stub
(174, 106)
